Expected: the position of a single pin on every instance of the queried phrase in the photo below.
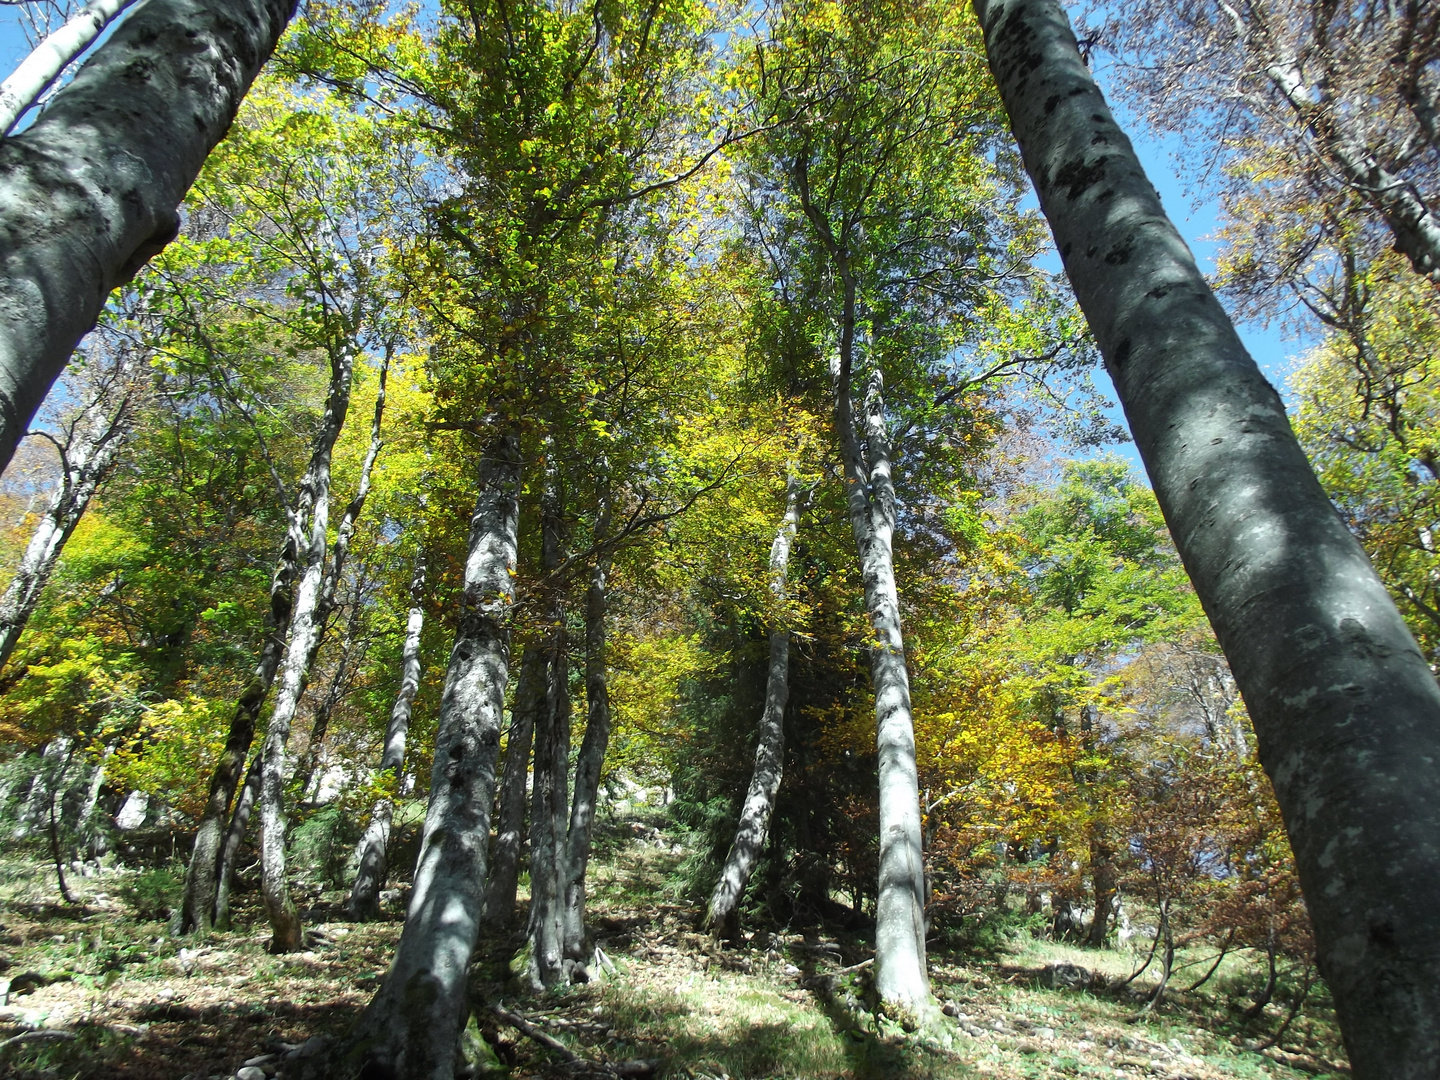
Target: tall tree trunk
(581, 831)
(197, 911)
(371, 854)
(305, 628)
(1105, 881)
(314, 599)
(52, 56)
(530, 695)
(550, 800)
(234, 837)
(411, 1031)
(1346, 712)
(900, 976)
(90, 191)
(754, 824)
(94, 439)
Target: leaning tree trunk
(530, 694)
(197, 912)
(550, 799)
(99, 433)
(372, 852)
(1346, 712)
(411, 1031)
(754, 824)
(900, 975)
(43, 66)
(89, 193)
(305, 628)
(581, 830)
(314, 600)
(234, 837)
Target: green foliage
(153, 894)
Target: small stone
(1066, 977)
(312, 1046)
(261, 1059)
(250, 1072)
(1044, 1033)
(950, 1009)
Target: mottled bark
(52, 56)
(530, 694)
(1345, 710)
(411, 1031)
(588, 765)
(900, 975)
(314, 599)
(754, 826)
(550, 800)
(305, 630)
(372, 853)
(89, 193)
(234, 837)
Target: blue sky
(1197, 219)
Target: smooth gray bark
(754, 826)
(93, 439)
(89, 193)
(52, 56)
(591, 760)
(1345, 710)
(314, 599)
(530, 695)
(411, 1031)
(900, 976)
(372, 852)
(286, 931)
(550, 800)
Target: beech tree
(880, 191)
(751, 833)
(91, 190)
(1343, 99)
(1346, 711)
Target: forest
(582, 538)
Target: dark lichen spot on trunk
(1122, 353)
(1121, 252)
(1050, 103)
(1079, 176)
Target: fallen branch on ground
(572, 1059)
(44, 1034)
(822, 976)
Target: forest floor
(122, 999)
